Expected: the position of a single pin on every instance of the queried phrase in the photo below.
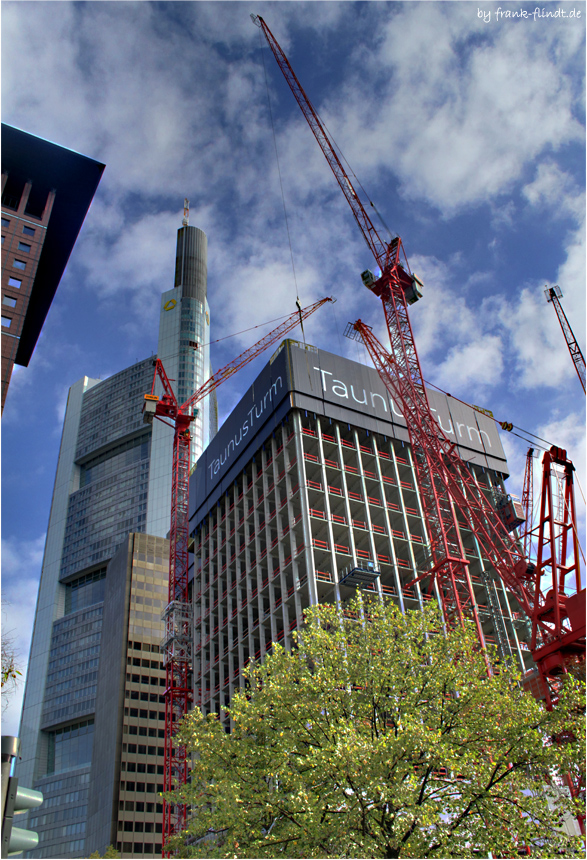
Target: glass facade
(110, 408)
(112, 467)
(61, 820)
(70, 747)
(112, 479)
(84, 591)
(70, 689)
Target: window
(14, 282)
(70, 747)
(6, 321)
(5, 222)
(19, 264)
(24, 246)
(8, 301)
(28, 231)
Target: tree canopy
(110, 854)
(375, 737)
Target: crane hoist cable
(281, 186)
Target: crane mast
(554, 294)
(402, 375)
(177, 641)
(528, 500)
(448, 489)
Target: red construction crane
(178, 638)
(528, 502)
(554, 294)
(448, 489)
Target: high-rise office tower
(46, 193)
(113, 480)
(309, 479)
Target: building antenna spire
(186, 212)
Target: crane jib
(445, 482)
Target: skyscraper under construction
(308, 490)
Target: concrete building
(46, 193)
(113, 479)
(311, 477)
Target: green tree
(374, 738)
(110, 854)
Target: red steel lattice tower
(528, 501)
(448, 488)
(177, 641)
(554, 294)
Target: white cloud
(478, 363)
(458, 119)
(556, 190)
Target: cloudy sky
(465, 126)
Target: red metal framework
(528, 501)
(554, 294)
(558, 619)
(447, 487)
(177, 642)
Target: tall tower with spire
(184, 349)
(94, 672)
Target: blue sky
(466, 131)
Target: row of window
(27, 231)
(141, 767)
(141, 749)
(139, 848)
(140, 806)
(145, 697)
(75, 847)
(64, 783)
(141, 826)
(143, 714)
(149, 787)
(143, 731)
(59, 815)
(145, 679)
(67, 830)
(55, 663)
